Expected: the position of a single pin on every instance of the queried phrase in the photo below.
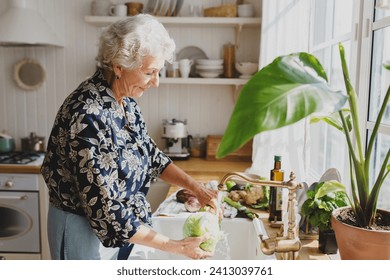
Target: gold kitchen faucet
(289, 245)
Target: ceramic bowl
(209, 62)
(210, 74)
(245, 10)
(246, 69)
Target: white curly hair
(127, 41)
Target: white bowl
(209, 74)
(209, 67)
(246, 68)
(210, 62)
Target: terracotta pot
(361, 244)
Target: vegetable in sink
(200, 223)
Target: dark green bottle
(275, 199)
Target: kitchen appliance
(26, 26)
(19, 208)
(21, 158)
(176, 139)
(7, 143)
(33, 143)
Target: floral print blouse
(100, 161)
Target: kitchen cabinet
(208, 24)
(22, 187)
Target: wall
(206, 108)
(24, 111)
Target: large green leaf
(282, 93)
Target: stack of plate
(209, 68)
(164, 7)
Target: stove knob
(9, 184)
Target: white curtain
(285, 29)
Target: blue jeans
(71, 237)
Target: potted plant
(293, 87)
(317, 210)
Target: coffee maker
(176, 139)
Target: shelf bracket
(236, 92)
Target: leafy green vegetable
(198, 224)
(230, 185)
(263, 203)
(239, 207)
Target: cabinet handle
(22, 197)
(9, 184)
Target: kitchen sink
(238, 242)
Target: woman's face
(133, 83)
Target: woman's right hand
(190, 247)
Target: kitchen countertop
(15, 168)
(205, 170)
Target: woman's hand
(190, 247)
(206, 197)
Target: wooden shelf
(204, 81)
(185, 21)
(232, 22)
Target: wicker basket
(227, 10)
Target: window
(331, 24)
(366, 40)
(378, 85)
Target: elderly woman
(100, 158)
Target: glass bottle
(275, 200)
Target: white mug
(100, 7)
(118, 10)
(185, 67)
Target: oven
(20, 208)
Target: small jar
(198, 147)
(173, 70)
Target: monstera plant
(293, 87)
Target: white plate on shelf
(193, 53)
(150, 6)
(172, 8)
(245, 76)
(157, 7)
(209, 74)
(209, 61)
(164, 8)
(209, 67)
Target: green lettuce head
(198, 224)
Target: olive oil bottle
(275, 201)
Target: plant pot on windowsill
(357, 243)
(317, 210)
(327, 242)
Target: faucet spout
(288, 245)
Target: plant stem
(375, 130)
(362, 178)
(371, 205)
(353, 104)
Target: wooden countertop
(204, 171)
(26, 169)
